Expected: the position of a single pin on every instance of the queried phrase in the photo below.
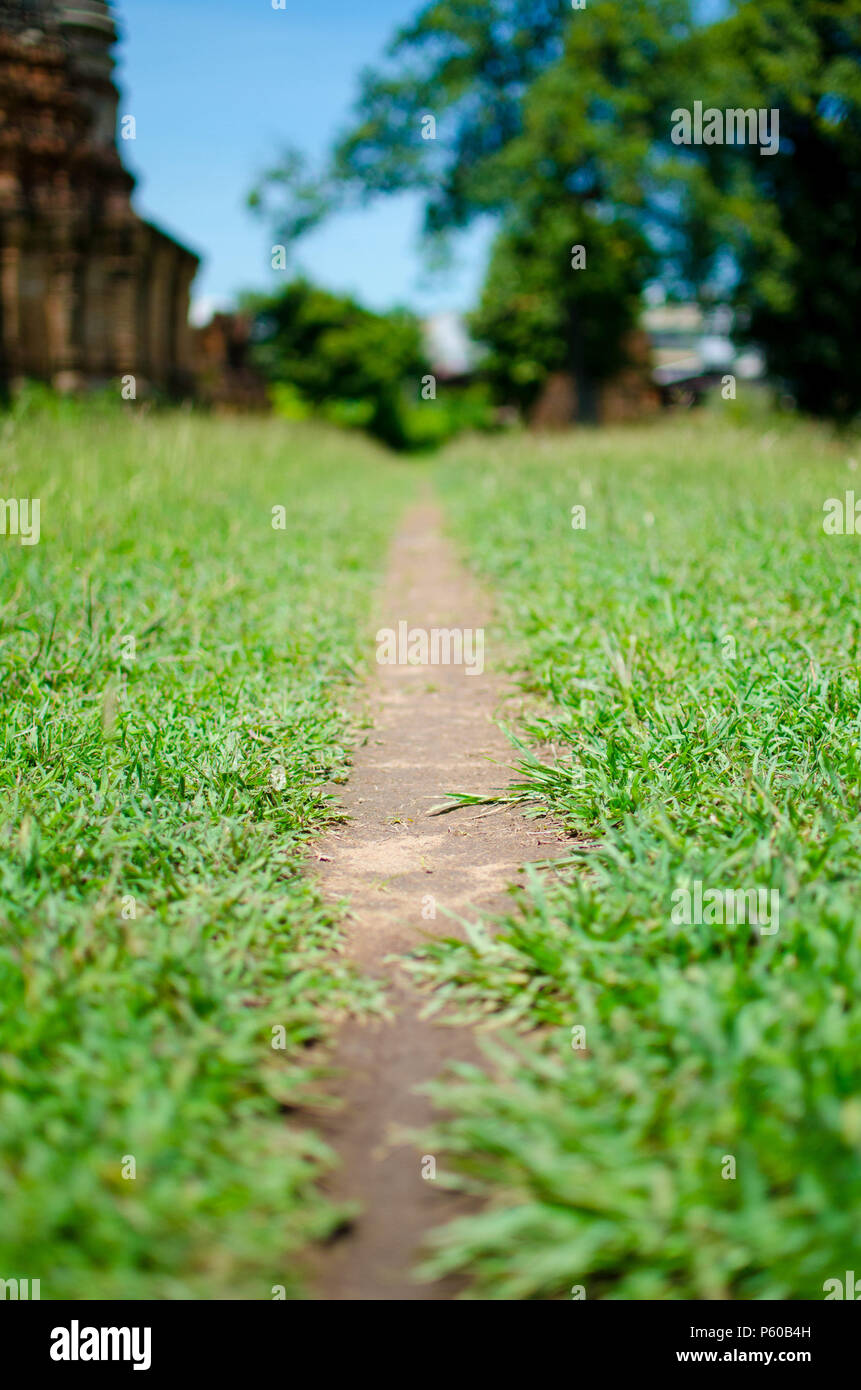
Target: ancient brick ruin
(89, 292)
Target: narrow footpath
(433, 732)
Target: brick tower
(89, 292)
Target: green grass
(155, 921)
(693, 655)
(691, 664)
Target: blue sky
(216, 87)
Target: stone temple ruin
(89, 292)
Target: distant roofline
(168, 236)
(93, 15)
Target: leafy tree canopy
(551, 119)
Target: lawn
(670, 1106)
(668, 1111)
(175, 674)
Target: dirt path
(433, 732)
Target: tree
(791, 219)
(545, 117)
(550, 118)
(551, 303)
(332, 350)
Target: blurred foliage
(548, 116)
(325, 354)
(537, 315)
(36, 400)
(458, 408)
(790, 220)
(543, 120)
(329, 347)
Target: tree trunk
(586, 410)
